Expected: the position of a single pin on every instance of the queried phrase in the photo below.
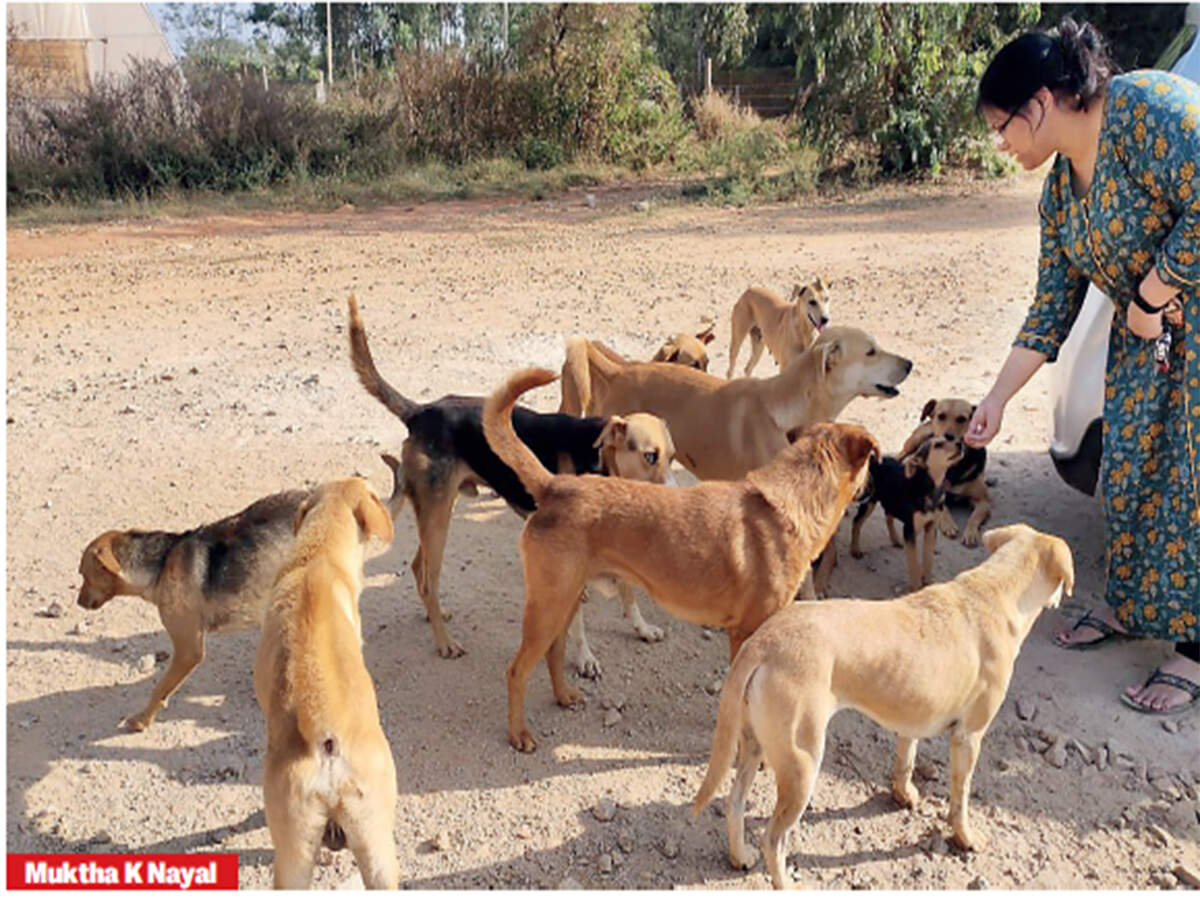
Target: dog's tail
(502, 437)
(586, 362)
(368, 375)
(730, 721)
(395, 502)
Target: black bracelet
(1146, 307)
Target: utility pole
(329, 42)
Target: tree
(684, 34)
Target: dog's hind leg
(187, 639)
(757, 344)
(370, 827)
(649, 633)
(964, 754)
(750, 756)
(434, 509)
(824, 570)
(903, 788)
(296, 828)
(861, 515)
(584, 660)
(738, 327)
(892, 536)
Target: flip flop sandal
(1106, 632)
(1175, 681)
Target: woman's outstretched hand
(985, 424)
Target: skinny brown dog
(785, 327)
(939, 659)
(687, 350)
(723, 429)
(722, 554)
(949, 417)
(328, 774)
(216, 577)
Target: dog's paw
(651, 634)
(450, 650)
(970, 537)
(447, 615)
(137, 723)
(570, 698)
(856, 553)
(906, 795)
(744, 858)
(523, 741)
(588, 666)
(967, 839)
(949, 529)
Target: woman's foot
(1091, 629)
(1176, 691)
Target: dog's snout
(907, 366)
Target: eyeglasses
(1012, 115)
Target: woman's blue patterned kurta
(1142, 210)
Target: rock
(1057, 754)
(605, 864)
(611, 718)
(440, 841)
(589, 200)
(101, 837)
(979, 883)
(1084, 751)
(1163, 880)
(53, 611)
(80, 628)
(714, 686)
(641, 206)
(1114, 750)
(146, 663)
(1189, 875)
(936, 844)
(162, 655)
(1026, 708)
(353, 883)
(1170, 726)
(569, 884)
(615, 702)
(670, 848)
(705, 634)
(1160, 834)
(604, 810)
(625, 840)
(1049, 735)
(1102, 758)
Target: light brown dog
(913, 491)
(217, 577)
(687, 350)
(725, 554)
(328, 773)
(785, 327)
(724, 429)
(950, 417)
(935, 660)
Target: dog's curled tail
(395, 502)
(502, 437)
(368, 375)
(726, 734)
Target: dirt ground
(166, 374)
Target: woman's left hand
(1143, 324)
(1155, 292)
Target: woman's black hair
(1072, 61)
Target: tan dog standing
(329, 776)
(723, 429)
(950, 417)
(726, 554)
(217, 577)
(938, 659)
(785, 327)
(687, 350)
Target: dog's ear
(927, 409)
(995, 538)
(103, 551)
(706, 336)
(831, 355)
(918, 459)
(668, 352)
(819, 284)
(973, 408)
(1059, 563)
(372, 516)
(613, 433)
(301, 512)
(858, 446)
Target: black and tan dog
(445, 454)
(911, 490)
(216, 577)
(965, 481)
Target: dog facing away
(724, 429)
(216, 577)
(785, 327)
(328, 776)
(935, 660)
(912, 491)
(726, 554)
(687, 350)
(950, 417)
(445, 454)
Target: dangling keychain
(1162, 351)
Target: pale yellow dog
(936, 660)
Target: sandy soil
(163, 375)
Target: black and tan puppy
(912, 491)
(445, 453)
(216, 577)
(949, 417)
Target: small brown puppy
(912, 491)
(949, 417)
(328, 774)
(216, 577)
(785, 327)
(687, 350)
(726, 554)
(935, 660)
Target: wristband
(1146, 307)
